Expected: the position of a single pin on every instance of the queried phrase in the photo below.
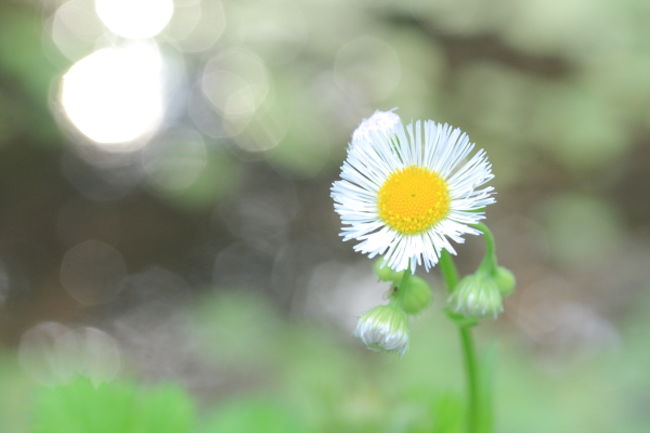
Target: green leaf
(81, 407)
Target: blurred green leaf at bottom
(254, 414)
(81, 407)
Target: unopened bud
(384, 273)
(385, 122)
(477, 295)
(413, 295)
(384, 328)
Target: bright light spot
(75, 28)
(135, 19)
(114, 95)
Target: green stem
(448, 270)
(397, 286)
(405, 277)
(450, 275)
(489, 262)
(471, 372)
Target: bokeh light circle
(53, 353)
(115, 95)
(92, 272)
(135, 19)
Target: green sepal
(460, 320)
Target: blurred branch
(461, 49)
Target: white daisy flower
(410, 190)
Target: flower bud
(505, 280)
(384, 273)
(476, 295)
(384, 328)
(385, 122)
(413, 295)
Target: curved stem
(450, 275)
(490, 260)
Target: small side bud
(384, 328)
(505, 280)
(477, 295)
(384, 273)
(381, 121)
(413, 295)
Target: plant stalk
(450, 275)
(489, 262)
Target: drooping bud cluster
(385, 328)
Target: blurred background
(166, 229)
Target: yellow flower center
(413, 199)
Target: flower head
(477, 295)
(384, 328)
(411, 189)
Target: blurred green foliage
(309, 380)
(81, 407)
